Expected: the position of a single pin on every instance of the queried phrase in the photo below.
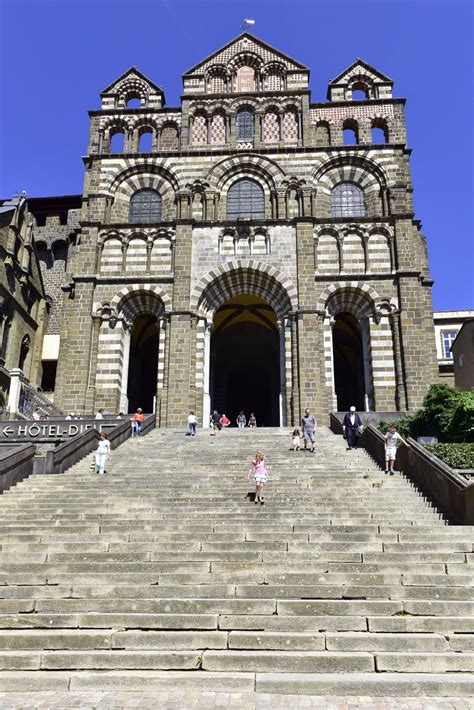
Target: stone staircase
(164, 574)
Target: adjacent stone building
(247, 250)
(23, 309)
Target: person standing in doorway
(224, 421)
(241, 420)
(392, 438)
(192, 424)
(102, 454)
(100, 414)
(252, 421)
(137, 422)
(215, 422)
(351, 427)
(308, 426)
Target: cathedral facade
(248, 250)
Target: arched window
(145, 206)
(245, 121)
(245, 79)
(351, 132)
(245, 200)
(145, 144)
(347, 200)
(133, 102)
(117, 142)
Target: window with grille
(448, 337)
(347, 200)
(245, 120)
(245, 200)
(145, 206)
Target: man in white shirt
(392, 437)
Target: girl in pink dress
(259, 472)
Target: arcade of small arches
(219, 126)
(245, 325)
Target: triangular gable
(245, 42)
(132, 73)
(361, 67)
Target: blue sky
(57, 55)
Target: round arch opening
(143, 364)
(245, 360)
(349, 379)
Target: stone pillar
(127, 336)
(330, 322)
(400, 392)
(163, 367)
(281, 202)
(206, 404)
(91, 386)
(282, 393)
(364, 324)
(16, 380)
(365, 244)
(295, 389)
(340, 249)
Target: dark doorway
(143, 367)
(245, 371)
(348, 363)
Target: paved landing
(213, 701)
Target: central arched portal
(348, 363)
(245, 360)
(143, 364)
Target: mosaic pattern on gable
(245, 45)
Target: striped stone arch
(145, 173)
(354, 297)
(244, 276)
(140, 299)
(246, 164)
(350, 168)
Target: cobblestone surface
(215, 701)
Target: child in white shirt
(392, 437)
(296, 440)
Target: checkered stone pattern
(327, 255)
(242, 46)
(109, 362)
(290, 127)
(227, 245)
(353, 254)
(271, 128)
(136, 259)
(216, 84)
(354, 297)
(359, 113)
(379, 254)
(161, 256)
(218, 132)
(274, 82)
(199, 130)
(111, 258)
(136, 300)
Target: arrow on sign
(7, 431)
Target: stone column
(127, 333)
(282, 393)
(330, 322)
(340, 248)
(364, 324)
(16, 380)
(206, 405)
(365, 244)
(400, 391)
(163, 366)
(149, 247)
(295, 390)
(93, 352)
